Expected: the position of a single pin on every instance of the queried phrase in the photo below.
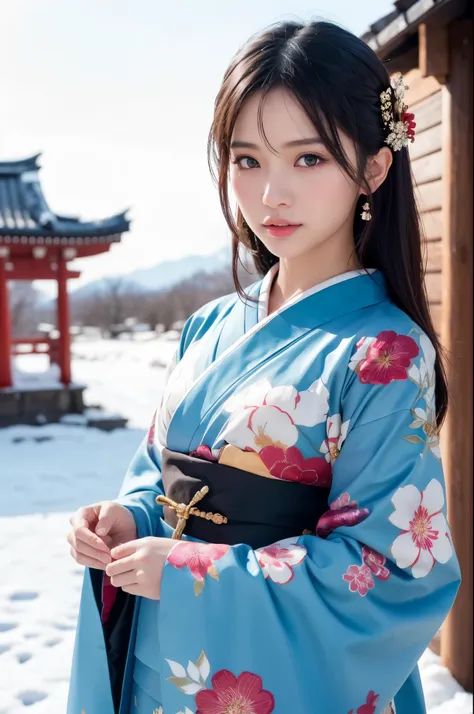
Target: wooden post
(433, 51)
(63, 323)
(5, 330)
(457, 332)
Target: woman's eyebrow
(296, 142)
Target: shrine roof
(392, 34)
(26, 215)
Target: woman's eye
(310, 160)
(251, 163)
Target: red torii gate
(36, 244)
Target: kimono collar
(267, 283)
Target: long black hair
(337, 79)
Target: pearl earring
(366, 214)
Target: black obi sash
(257, 511)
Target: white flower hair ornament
(395, 115)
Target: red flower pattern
(375, 562)
(388, 358)
(235, 695)
(345, 515)
(409, 118)
(198, 557)
(359, 578)
(369, 706)
(203, 452)
(290, 465)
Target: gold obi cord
(183, 512)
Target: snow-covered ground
(45, 474)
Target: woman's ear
(378, 167)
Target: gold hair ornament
(395, 115)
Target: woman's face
(300, 184)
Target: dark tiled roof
(24, 211)
(403, 20)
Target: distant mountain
(164, 275)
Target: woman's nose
(276, 194)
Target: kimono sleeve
(143, 483)
(330, 623)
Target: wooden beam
(5, 329)
(63, 324)
(457, 333)
(25, 272)
(433, 51)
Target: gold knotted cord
(183, 512)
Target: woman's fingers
(121, 566)
(82, 532)
(86, 560)
(124, 579)
(84, 549)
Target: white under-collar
(267, 284)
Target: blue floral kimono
(336, 389)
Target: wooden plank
(427, 112)
(404, 63)
(419, 87)
(433, 282)
(426, 142)
(457, 335)
(436, 314)
(432, 224)
(434, 253)
(428, 168)
(433, 51)
(430, 195)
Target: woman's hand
(98, 528)
(137, 567)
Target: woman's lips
(282, 231)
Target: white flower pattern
(263, 415)
(336, 433)
(425, 417)
(425, 539)
(277, 561)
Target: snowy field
(45, 474)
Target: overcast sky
(118, 97)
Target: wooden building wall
(424, 99)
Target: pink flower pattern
(388, 357)
(359, 578)
(278, 560)
(198, 557)
(290, 465)
(375, 562)
(341, 502)
(370, 704)
(151, 431)
(235, 695)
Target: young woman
(280, 542)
